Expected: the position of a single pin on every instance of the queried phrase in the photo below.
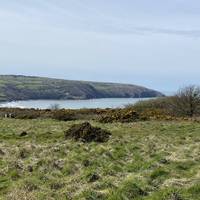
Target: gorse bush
(119, 115)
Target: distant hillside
(13, 87)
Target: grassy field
(13, 87)
(153, 160)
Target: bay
(73, 104)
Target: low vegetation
(147, 151)
(185, 103)
(141, 160)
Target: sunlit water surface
(73, 104)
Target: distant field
(13, 87)
(142, 160)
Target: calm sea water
(73, 104)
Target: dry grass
(155, 160)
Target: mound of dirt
(2, 153)
(23, 134)
(85, 132)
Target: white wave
(12, 104)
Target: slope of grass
(25, 87)
(143, 161)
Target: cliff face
(13, 87)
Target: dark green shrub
(63, 115)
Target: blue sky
(147, 42)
